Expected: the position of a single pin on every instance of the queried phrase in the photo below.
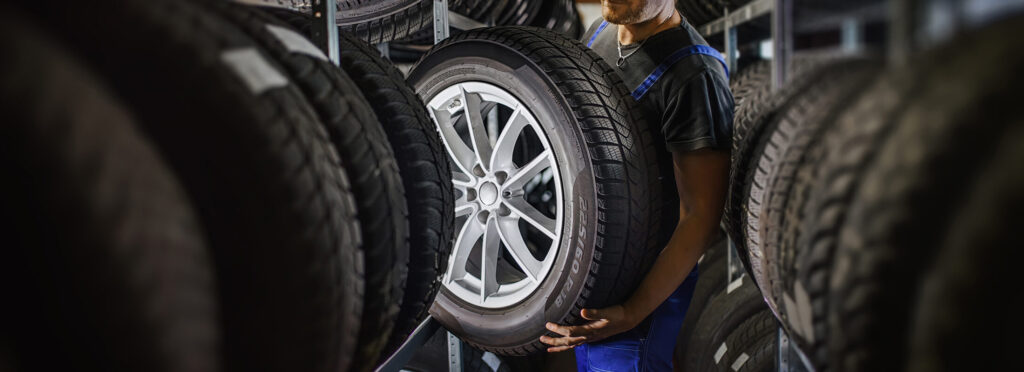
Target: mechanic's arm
(702, 178)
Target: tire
(561, 16)
(101, 245)
(712, 280)
(776, 196)
(726, 312)
(751, 89)
(753, 346)
(961, 311)
(757, 110)
(426, 176)
(931, 154)
(423, 165)
(602, 152)
(828, 183)
(368, 159)
(275, 206)
(382, 21)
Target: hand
(604, 323)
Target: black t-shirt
(684, 93)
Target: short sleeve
(698, 113)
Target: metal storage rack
(325, 35)
(902, 18)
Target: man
(682, 85)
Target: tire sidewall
(552, 301)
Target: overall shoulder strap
(641, 90)
(597, 32)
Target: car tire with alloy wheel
(554, 194)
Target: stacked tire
(560, 16)
(699, 12)
(238, 201)
(850, 197)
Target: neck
(666, 19)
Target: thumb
(591, 314)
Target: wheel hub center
(488, 193)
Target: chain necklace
(622, 58)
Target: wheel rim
(509, 202)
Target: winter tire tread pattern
(259, 166)
(779, 189)
(368, 160)
(109, 252)
(426, 175)
(919, 169)
(620, 146)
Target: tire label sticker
(720, 353)
(491, 360)
(735, 284)
(740, 361)
(254, 70)
(295, 42)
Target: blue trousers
(646, 348)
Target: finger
(559, 329)
(591, 314)
(559, 349)
(562, 341)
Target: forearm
(691, 237)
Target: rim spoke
(489, 150)
(521, 176)
(468, 236)
(464, 207)
(462, 181)
(489, 260)
(477, 130)
(512, 236)
(462, 155)
(527, 212)
(505, 146)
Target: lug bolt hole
(504, 211)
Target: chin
(614, 12)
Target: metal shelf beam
(737, 17)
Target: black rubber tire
(753, 346)
(426, 175)
(382, 21)
(748, 81)
(961, 311)
(724, 313)
(104, 265)
(774, 200)
(255, 160)
(476, 360)
(910, 189)
(422, 163)
(561, 16)
(712, 279)
(755, 113)
(750, 88)
(368, 159)
(601, 140)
